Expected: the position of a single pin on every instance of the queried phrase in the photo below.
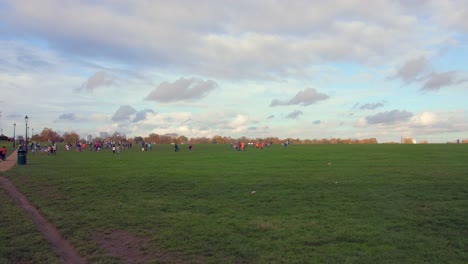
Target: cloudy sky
(255, 68)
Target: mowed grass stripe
(304, 203)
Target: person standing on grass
(54, 148)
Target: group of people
(177, 147)
(78, 146)
(50, 149)
(240, 146)
(99, 145)
(146, 146)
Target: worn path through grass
(59, 245)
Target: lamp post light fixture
(14, 135)
(26, 118)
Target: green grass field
(302, 204)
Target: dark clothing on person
(3, 152)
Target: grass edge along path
(9, 162)
(59, 245)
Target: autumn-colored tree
(408, 141)
(49, 135)
(70, 137)
(275, 140)
(217, 140)
(182, 140)
(324, 141)
(164, 139)
(152, 138)
(243, 139)
(200, 140)
(35, 138)
(369, 141)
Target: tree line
(49, 135)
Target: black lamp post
(26, 118)
(14, 135)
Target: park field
(301, 204)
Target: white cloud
(248, 39)
(424, 119)
(294, 115)
(435, 81)
(413, 69)
(98, 79)
(361, 122)
(306, 97)
(156, 120)
(389, 117)
(67, 117)
(240, 120)
(370, 106)
(124, 113)
(181, 90)
(258, 52)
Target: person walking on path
(3, 152)
(10, 162)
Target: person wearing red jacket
(3, 152)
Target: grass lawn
(20, 242)
(301, 204)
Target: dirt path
(9, 162)
(60, 246)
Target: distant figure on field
(176, 147)
(190, 147)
